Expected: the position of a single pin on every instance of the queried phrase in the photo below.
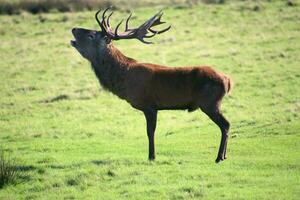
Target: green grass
(76, 141)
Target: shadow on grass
(101, 162)
(64, 97)
(24, 168)
(57, 98)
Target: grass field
(73, 140)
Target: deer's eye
(90, 36)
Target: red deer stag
(150, 87)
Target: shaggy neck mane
(110, 68)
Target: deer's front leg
(151, 118)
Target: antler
(139, 33)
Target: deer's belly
(175, 102)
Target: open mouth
(73, 43)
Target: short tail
(228, 84)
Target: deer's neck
(111, 69)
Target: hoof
(151, 158)
(219, 159)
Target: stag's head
(90, 43)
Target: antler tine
(103, 17)
(97, 19)
(161, 31)
(146, 42)
(116, 30)
(150, 36)
(107, 21)
(147, 36)
(127, 20)
(157, 21)
(96, 16)
(103, 14)
(150, 21)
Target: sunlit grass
(78, 141)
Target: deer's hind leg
(217, 117)
(211, 107)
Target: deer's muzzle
(73, 42)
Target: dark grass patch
(71, 166)
(72, 182)
(77, 180)
(24, 168)
(38, 135)
(57, 166)
(191, 192)
(56, 185)
(64, 97)
(41, 171)
(291, 3)
(34, 7)
(213, 1)
(26, 89)
(111, 173)
(57, 98)
(101, 162)
(46, 6)
(124, 162)
(169, 133)
(46, 160)
(33, 196)
(8, 170)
